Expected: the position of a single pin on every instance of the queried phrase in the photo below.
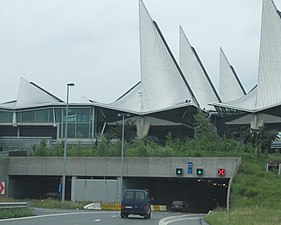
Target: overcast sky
(95, 43)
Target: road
(81, 217)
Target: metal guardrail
(13, 205)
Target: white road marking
(173, 219)
(97, 220)
(53, 215)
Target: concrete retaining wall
(110, 166)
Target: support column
(73, 188)
(143, 127)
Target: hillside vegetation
(255, 194)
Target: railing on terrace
(21, 143)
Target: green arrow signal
(199, 171)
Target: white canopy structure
(255, 108)
(31, 95)
(230, 86)
(196, 75)
(163, 84)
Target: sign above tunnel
(189, 167)
(221, 172)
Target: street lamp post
(65, 143)
(122, 151)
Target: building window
(42, 116)
(6, 117)
(28, 117)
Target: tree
(205, 134)
(261, 139)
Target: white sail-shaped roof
(245, 103)
(267, 93)
(269, 73)
(196, 74)
(230, 85)
(30, 95)
(131, 100)
(162, 83)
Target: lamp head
(70, 84)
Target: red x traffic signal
(221, 172)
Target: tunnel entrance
(201, 194)
(37, 187)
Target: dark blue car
(136, 202)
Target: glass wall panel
(72, 117)
(71, 130)
(6, 117)
(19, 117)
(28, 117)
(83, 114)
(58, 114)
(83, 131)
(42, 116)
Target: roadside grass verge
(245, 216)
(13, 213)
(50, 203)
(46, 203)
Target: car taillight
(145, 207)
(122, 206)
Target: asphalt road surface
(81, 217)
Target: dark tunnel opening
(37, 187)
(201, 194)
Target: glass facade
(36, 116)
(80, 119)
(79, 122)
(6, 117)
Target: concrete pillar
(73, 188)
(58, 130)
(143, 127)
(119, 189)
(257, 122)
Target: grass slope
(255, 195)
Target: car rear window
(140, 195)
(129, 195)
(177, 203)
(134, 195)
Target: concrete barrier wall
(94, 190)
(110, 166)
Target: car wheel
(123, 215)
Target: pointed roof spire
(267, 92)
(196, 75)
(163, 83)
(269, 79)
(31, 94)
(230, 86)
